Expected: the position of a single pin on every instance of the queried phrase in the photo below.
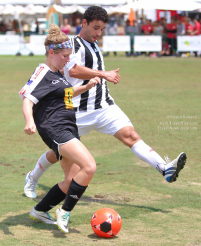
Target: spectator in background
(37, 27)
(154, 26)
(189, 27)
(111, 29)
(3, 26)
(140, 24)
(180, 27)
(196, 28)
(180, 31)
(171, 29)
(25, 28)
(157, 28)
(196, 31)
(147, 28)
(131, 31)
(200, 24)
(78, 26)
(15, 26)
(66, 28)
(163, 23)
(127, 32)
(184, 19)
(9, 26)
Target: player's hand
(93, 82)
(30, 128)
(112, 76)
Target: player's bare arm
(81, 89)
(27, 109)
(81, 72)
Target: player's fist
(93, 82)
(30, 128)
(112, 76)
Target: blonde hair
(55, 36)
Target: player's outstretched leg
(168, 169)
(173, 168)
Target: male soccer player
(95, 109)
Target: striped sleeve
(75, 57)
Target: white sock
(41, 166)
(147, 154)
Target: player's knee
(51, 157)
(90, 168)
(131, 137)
(134, 136)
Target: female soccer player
(47, 106)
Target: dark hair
(96, 13)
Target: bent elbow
(72, 72)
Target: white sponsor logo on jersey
(54, 82)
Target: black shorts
(54, 140)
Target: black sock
(73, 195)
(54, 196)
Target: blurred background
(137, 27)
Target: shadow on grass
(44, 187)
(94, 237)
(88, 199)
(40, 197)
(23, 219)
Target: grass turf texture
(153, 211)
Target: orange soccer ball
(106, 222)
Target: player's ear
(84, 22)
(51, 52)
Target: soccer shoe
(41, 216)
(30, 186)
(173, 168)
(63, 219)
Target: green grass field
(162, 98)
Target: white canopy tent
(96, 2)
(30, 9)
(72, 9)
(65, 2)
(182, 5)
(41, 11)
(28, 13)
(26, 2)
(69, 9)
(121, 9)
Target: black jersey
(53, 110)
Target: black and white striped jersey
(88, 55)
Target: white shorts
(106, 120)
